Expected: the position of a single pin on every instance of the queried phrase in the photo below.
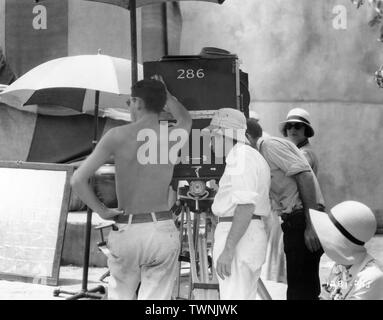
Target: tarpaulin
(25, 136)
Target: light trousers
(274, 268)
(145, 253)
(248, 259)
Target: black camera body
(203, 85)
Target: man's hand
(241, 220)
(311, 239)
(159, 78)
(224, 264)
(110, 214)
(175, 108)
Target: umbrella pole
(133, 40)
(95, 129)
(88, 226)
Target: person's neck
(255, 143)
(359, 259)
(300, 143)
(149, 118)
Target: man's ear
(141, 105)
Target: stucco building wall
(295, 57)
(84, 28)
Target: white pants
(146, 253)
(247, 262)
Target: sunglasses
(296, 125)
(132, 99)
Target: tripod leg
(58, 291)
(209, 294)
(196, 222)
(77, 296)
(209, 244)
(202, 264)
(193, 267)
(202, 254)
(181, 247)
(100, 289)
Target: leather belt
(301, 211)
(230, 219)
(294, 213)
(144, 217)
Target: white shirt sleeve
(244, 184)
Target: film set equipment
(198, 232)
(203, 84)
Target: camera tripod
(199, 231)
(197, 225)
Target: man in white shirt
(240, 239)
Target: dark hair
(153, 93)
(306, 133)
(253, 128)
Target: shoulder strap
(303, 143)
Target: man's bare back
(141, 188)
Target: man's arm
(81, 177)
(241, 221)
(176, 108)
(291, 161)
(306, 188)
(179, 112)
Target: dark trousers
(302, 265)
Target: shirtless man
(145, 245)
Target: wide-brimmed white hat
(297, 115)
(229, 122)
(344, 230)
